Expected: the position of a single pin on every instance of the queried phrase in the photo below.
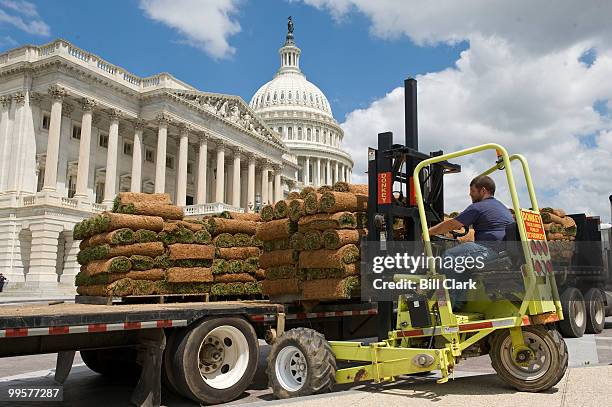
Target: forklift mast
(391, 190)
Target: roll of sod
(334, 239)
(189, 275)
(224, 240)
(281, 209)
(276, 229)
(325, 258)
(179, 251)
(115, 265)
(267, 213)
(332, 202)
(152, 209)
(329, 289)
(278, 258)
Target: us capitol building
(76, 129)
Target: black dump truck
(585, 281)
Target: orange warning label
(384, 188)
(533, 225)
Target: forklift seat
(510, 256)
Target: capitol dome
(300, 112)
(291, 89)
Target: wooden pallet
(142, 299)
(162, 299)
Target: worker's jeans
(468, 249)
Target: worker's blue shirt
(489, 218)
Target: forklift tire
(596, 311)
(112, 362)
(574, 313)
(544, 372)
(214, 361)
(301, 363)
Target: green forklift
(514, 322)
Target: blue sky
(351, 66)
(509, 72)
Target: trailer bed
(31, 316)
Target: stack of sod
(330, 241)
(330, 225)
(235, 268)
(278, 259)
(560, 233)
(125, 254)
(117, 250)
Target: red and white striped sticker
(78, 329)
(312, 315)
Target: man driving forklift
(489, 218)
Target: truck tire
(215, 361)
(596, 311)
(167, 373)
(112, 362)
(538, 374)
(574, 313)
(301, 363)
(609, 302)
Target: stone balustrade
(31, 53)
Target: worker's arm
(445, 226)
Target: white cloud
(539, 25)
(206, 25)
(23, 16)
(520, 84)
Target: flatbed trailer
(174, 344)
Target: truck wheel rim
(599, 312)
(536, 367)
(579, 311)
(291, 368)
(223, 357)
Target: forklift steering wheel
(460, 234)
(442, 238)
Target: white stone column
(160, 159)
(264, 184)
(307, 171)
(328, 178)
(317, 180)
(84, 147)
(53, 141)
(270, 187)
(181, 181)
(5, 130)
(236, 179)
(43, 259)
(336, 172)
(350, 174)
(341, 175)
(251, 182)
(220, 184)
(202, 167)
(278, 189)
(110, 179)
(22, 143)
(136, 181)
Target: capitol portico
(76, 129)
